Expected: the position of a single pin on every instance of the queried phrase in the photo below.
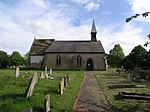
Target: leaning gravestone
(17, 71)
(47, 104)
(30, 88)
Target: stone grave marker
(51, 72)
(46, 74)
(45, 70)
(68, 77)
(61, 86)
(129, 77)
(32, 83)
(65, 81)
(17, 71)
(47, 104)
(42, 75)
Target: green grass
(12, 90)
(106, 78)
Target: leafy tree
(128, 65)
(145, 14)
(4, 59)
(138, 56)
(115, 56)
(26, 56)
(16, 59)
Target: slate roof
(40, 45)
(75, 47)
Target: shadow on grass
(13, 96)
(128, 108)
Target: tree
(26, 56)
(16, 59)
(138, 56)
(4, 59)
(145, 14)
(128, 65)
(115, 56)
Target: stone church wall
(69, 61)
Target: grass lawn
(12, 91)
(108, 77)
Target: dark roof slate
(40, 45)
(75, 46)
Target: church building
(68, 55)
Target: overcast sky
(22, 20)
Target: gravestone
(61, 86)
(65, 81)
(68, 77)
(17, 71)
(32, 83)
(129, 77)
(47, 104)
(42, 75)
(46, 74)
(45, 70)
(51, 72)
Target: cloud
(128, 37)
(51, 20)
(140, 6)
(91, 6)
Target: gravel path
(90, 97)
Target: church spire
(93, 32)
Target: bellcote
(93, 32)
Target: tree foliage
(4, 59)
(16, 59)
(115, 56)
(138, 56)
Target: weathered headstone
(42, 75)
(65, 81)
(17, 71)
(129, 77)
(51, 72)
(61, 86)
(30, 88)
(68, 77)
(47, 104)
(46, 74)
(45, 70)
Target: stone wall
(36, 61)
(69, 61)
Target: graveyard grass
(109, 77)
(12, 91)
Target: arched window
(79, 61)
(58, 60)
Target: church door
(89, 65)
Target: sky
(23, 20)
